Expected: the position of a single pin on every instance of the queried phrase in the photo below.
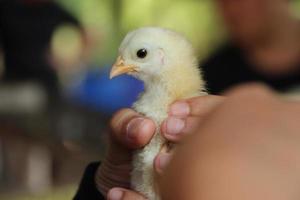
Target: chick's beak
(120, 68)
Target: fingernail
(115, 194)
(174, 125)
(133, 127)
(163, 161)
(180, 109)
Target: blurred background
(55, 94)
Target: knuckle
(202, 103)
(120, 118)
(192, 124)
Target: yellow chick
(165, 61)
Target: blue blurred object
(98, 92)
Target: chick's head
(148, 53)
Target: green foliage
(196, 19)
(111, 19)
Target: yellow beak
(120, 68)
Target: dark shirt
(26, 29)
(229, 67)
(87, 189)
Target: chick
(165, 61)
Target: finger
(197, 106)
(161, 162)
(200, 106)
(174, 129)
(131, 129)
(123, 194)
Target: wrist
(110, 175)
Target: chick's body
(154, 104)
(170, 73)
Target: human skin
(130, 131)
(246, 147)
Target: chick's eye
(142, 53)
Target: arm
(247, 148)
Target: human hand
(190, 111)
(129, 131)
(247, 148)
(184, 118)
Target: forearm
(110, 175)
